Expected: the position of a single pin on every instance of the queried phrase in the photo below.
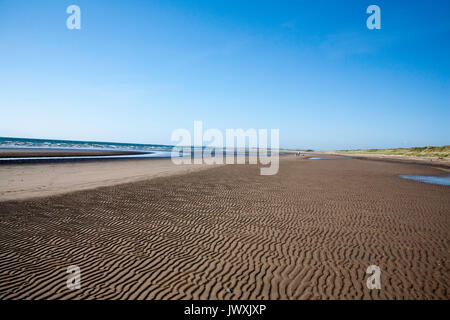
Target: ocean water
(22, 143)
(146, 150)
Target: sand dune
(309, 232)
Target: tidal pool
(441, 180)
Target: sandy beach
(225, 232)
(23, 181)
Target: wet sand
(443, 163)
(310, 232)
(27, 153)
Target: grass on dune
(440, 152)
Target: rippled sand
(309, 232)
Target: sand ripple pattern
(309, 232)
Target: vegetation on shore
(439, 152)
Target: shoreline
(36, 152)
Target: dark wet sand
(19, 153)
(309, 232)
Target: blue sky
(137, 70)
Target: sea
(143, 150)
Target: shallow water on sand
(316, 158)
(441, 180)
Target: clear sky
(137, 70)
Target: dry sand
(310, 232)
(22, 181)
